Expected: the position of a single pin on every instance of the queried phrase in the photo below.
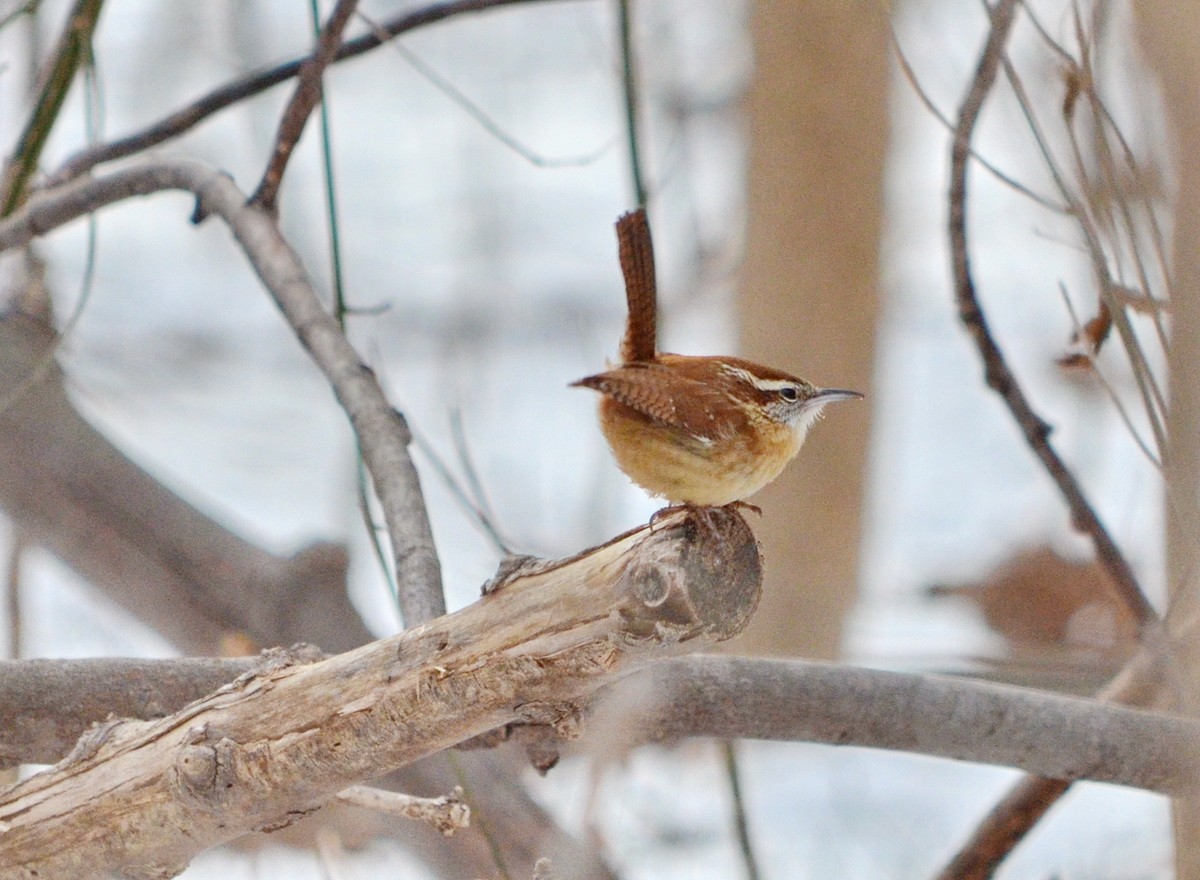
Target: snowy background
(501, 287)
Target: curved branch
(305, 97)
(381, 431)
(1010, 820)
(189, 117)
(140, 798)
(1066, 738)
(997, 373)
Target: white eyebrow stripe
(753, 380)
(772, 384)
(745, 375)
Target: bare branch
(998, 375)
(71, 51)
(927, 101)
(447, 813)
(189, 117)
(142, 798)
(300, 107)
(381, 431)
(963, 719)
(1022, 808)
(47, 704)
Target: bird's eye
(790, 394)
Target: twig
(1153, 401)
(1088, 354)
(331, 211)
(629, 83)
(1023, 807)
(478, 497)
(16, 12)
(188, 117)
(72, 48)
(741, 825)
(300, 107)
(996, 370)
(459, 492)
(447, 813)
(1010, 820)
(923, 96)
(381, 431)
(477, 113)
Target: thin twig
(477, 113)
(73, 48)
(997, 373)
(335, 237)
(381, 431)
(240, 89)
(487, 516)
(459, 492)
(629, 82)
(16, 12)
(1113, 398)
(300, 107)
(447, 813)
(1007, 824)
(1143, 376)
(741, 826)
(47, 358)
(923, 96)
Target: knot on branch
(700, 575)
(206, 767)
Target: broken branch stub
(139, 799)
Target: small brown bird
(697, 431)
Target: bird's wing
(693, 407)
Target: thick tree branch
(146, 548)
(963, 719)
(303, 610)
(46, 704)
(142, 798)
(189, 117)
(381, 431)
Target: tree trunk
(809, 303)
(1171, 38)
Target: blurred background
(797, 191)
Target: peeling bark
(139, 799)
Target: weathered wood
(140, 799)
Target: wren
(698, 431)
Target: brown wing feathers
(693, 407)
(642, 382)
(636, 250)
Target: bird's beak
(829, 395)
